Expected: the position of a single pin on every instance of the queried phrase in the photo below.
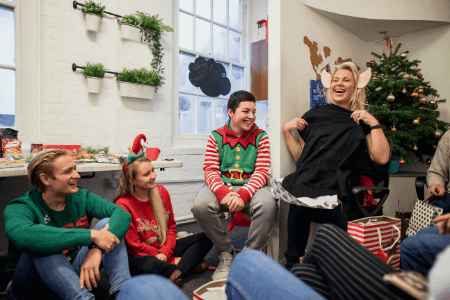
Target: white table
(93, 167)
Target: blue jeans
(253, 275)
(152, 286)
(442, 202)
(53, 276)
(418, 252)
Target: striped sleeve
(260, 176)
(211, 167)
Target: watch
(375, 127)
(94, 246)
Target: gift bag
(213, 290)
(373, 232)
(422, 216)
(405, 217)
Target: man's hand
(237, 204)
(444, 223)
(161, 256)
(226, 201)
(104, 239)
(435, 191)
(177, 260)
(89, 273)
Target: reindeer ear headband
(363, 80)
(137, 150)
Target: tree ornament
(403, 55)
(415, 148)
(435, 147)
(428, 161)
(432, 102)
(419, 75)
(382, 59)
(374, 77)
(435, 106)
(371, 62)
(420, 89)
(438, 132)
(423, 100)
(393, 129)
(416, 121)
(415, 94)
(391, 97)
(404, 91)
(406, 76)
(401, 161)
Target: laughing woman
(151, 241)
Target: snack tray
(12, 165)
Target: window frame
(200, 139)
(14, 5)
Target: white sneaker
(224, 266)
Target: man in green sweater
(53, 251)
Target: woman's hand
(444, 223)
(294, 124)
(162, 257)
(364, 115)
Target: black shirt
(333, 142)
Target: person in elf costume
(52, 249)
(236, 168)
(151, 239)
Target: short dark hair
(237, 97)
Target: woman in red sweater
(151, 241)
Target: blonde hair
(43, 164)
(359, 95)
(126, 186)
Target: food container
(16, 160)
(35, 149)
(71, 148)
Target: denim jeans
(442, 202)
(253, 275)
(53, 276)
(418, 252)
(150, 286)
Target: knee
(205, 240)
(139, 287)
(201, 207)
(102, 223)
(248, 257)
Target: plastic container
(72, 148)
(394, 166)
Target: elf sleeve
(211, 168)
(169, 245)
(439, 170)
(260, 176)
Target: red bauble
(374, 77)
(401, 161)
(435, 106)
(415, 94)
(371, 62)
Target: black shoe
(291, 261)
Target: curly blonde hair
(359, 95)
(126, 186)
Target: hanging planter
(93, 22)
(136, 90)
(93, 84)
(130, 32)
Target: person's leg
(350, 270)
(146, 287)
(206, 210)
(253, 275)
(264, 210)
(56, 273)
(442, 202)
(140, 265)
(192, 249)
(418, 252)
(299, 224)
(310, 274)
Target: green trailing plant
(97, 70)
(151, 28)
(141, 76)
(90, 7)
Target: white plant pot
(130, 32)
(94, 84)
(93, 22)
(135, 90)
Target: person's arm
(295, 146)
(169, 245)
(438, 172)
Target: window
(212, 29)
(7, 64)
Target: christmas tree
(405, 105)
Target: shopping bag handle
(393, 244)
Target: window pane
(184, 84)
(221, 112)
(203, 36)
(235, 46)
(205, 115)
(220, 41)
(186, 30)
(187, 5)
(7, 97)
(186, 116)
(7, 37)
(236, 14)
(237, 80)
(220, 11)
(262, 114)
(203, 8)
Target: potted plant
(94, 12)
(129, 28)
(138, 83)
(94, 74)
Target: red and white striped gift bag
(365, 232)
